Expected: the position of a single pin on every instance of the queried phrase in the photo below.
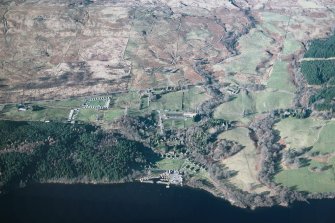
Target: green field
(235, 109)
(186, 100)
(96, 103)
(68, 103)
(57, 110)
(88, 115)
(302, 133)
(194, 97)
(280, 78)
(113, 114)
(306, 180)
(170, 164)
(291, 45)
(131, 100)
(268, 100)
(170, 101)
(53, 114)
(244, 106)
(326, 139)
(91, 115)
(171, 123)
(254, 43)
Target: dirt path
(317, 59)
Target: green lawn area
(280, 78)
(71, 103)
(170, 101)
(96, 103)
(88, 115)
(170, 123)
(131, 100)
(170, 164)
(113, 114)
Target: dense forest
(321, 48)
(324, 98)
(35, 151)
(321, 72)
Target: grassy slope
(55, 114)
(280, 78)
(244, 162)
(254, 43)
(258, 102)
(268, 100)
(233, 110)
(300, 133)
(305, 180)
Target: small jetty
(170, 177)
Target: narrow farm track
(317, 59)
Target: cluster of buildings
(169, 177)
(178, 115)
(172, 177)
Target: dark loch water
(135, 202)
